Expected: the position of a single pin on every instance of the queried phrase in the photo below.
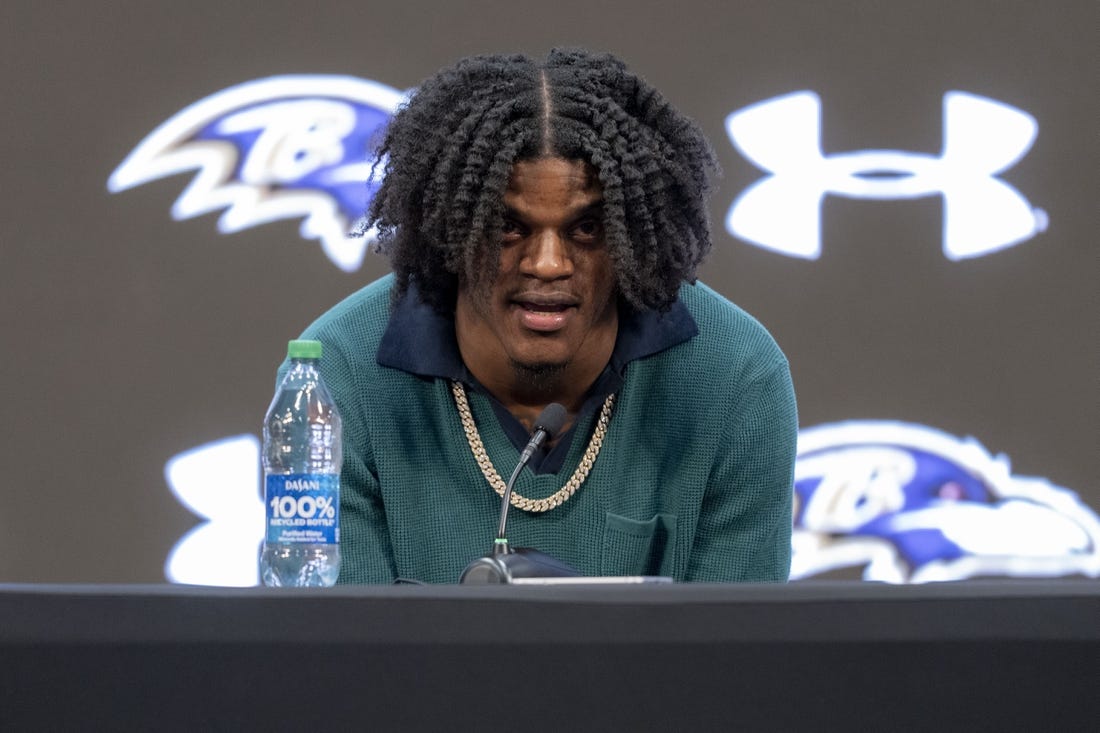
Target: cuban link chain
(560, 496)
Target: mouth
(545, 312)
(545, 302)
(544, 307)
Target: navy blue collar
(421, 341)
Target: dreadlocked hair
(449, 153)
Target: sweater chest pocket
(638, 547)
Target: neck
(526, 370)
(531, 390)
(525, 391)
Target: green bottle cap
(303, 349)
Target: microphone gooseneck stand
(505, 563)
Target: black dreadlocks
(452, 147)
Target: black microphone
(504, 563)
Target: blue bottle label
(303, 507)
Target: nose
(547, 257)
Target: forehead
(552, 183)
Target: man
(544, 221)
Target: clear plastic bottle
(301, 458)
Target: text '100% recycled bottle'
(301, 458)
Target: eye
(588, 230)
(511, 230)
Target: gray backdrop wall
(132, 338)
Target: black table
(811, 656)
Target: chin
(538, 370)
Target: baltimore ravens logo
(906, 503)
(284, 147)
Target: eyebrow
(594, 208)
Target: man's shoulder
(732, 346)
(724, 325)
(359, 318)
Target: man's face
(553, 302)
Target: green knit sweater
(694, 479)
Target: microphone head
(551, 419)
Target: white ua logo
(981, 138)
(220, 482)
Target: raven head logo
(284, 147)
(906, 503)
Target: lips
(545, 312)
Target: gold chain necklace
(560, 496)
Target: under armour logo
(981, 138)
(220, 482)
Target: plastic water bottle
(301, 458)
